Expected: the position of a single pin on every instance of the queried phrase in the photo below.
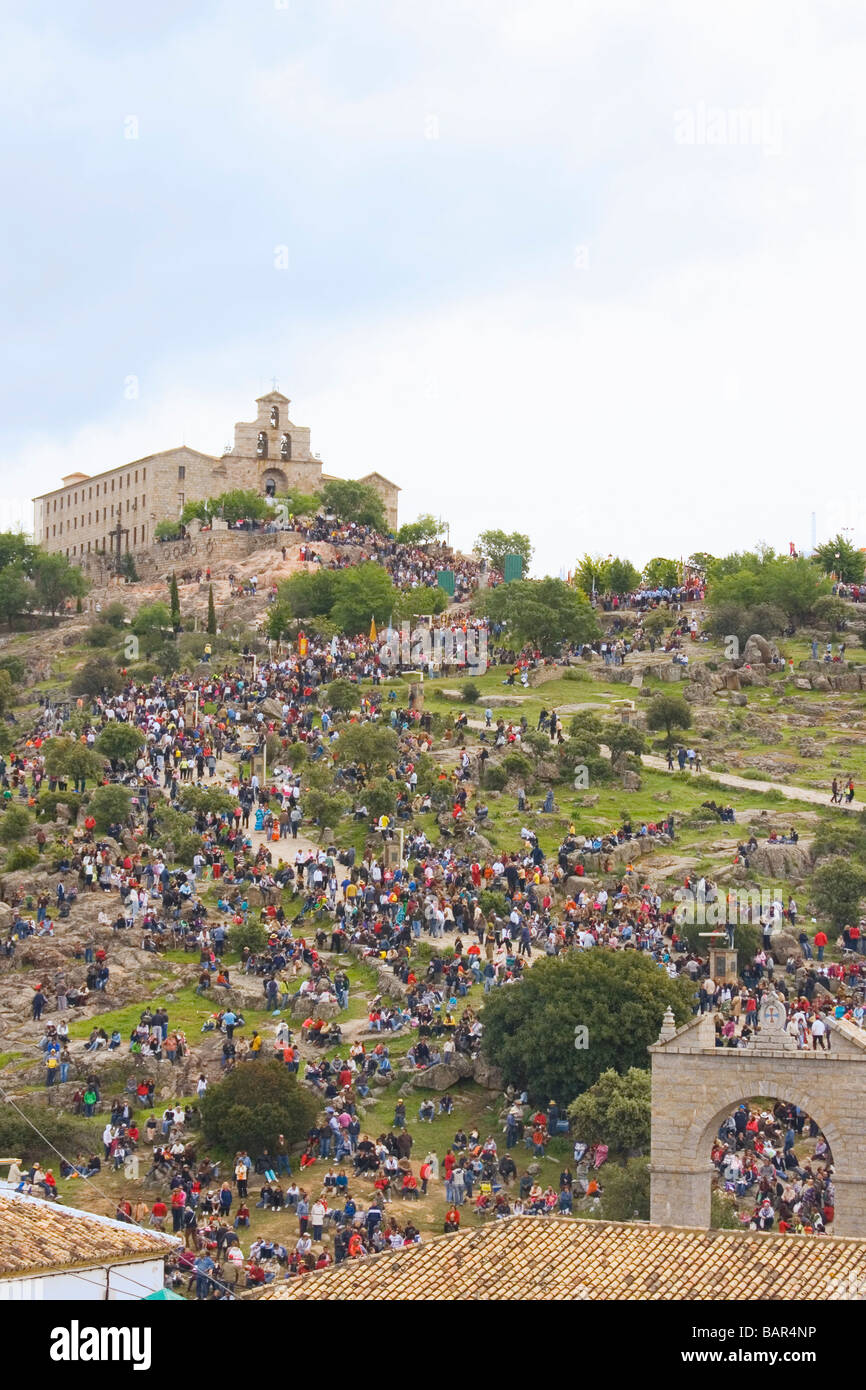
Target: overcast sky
(589, 269)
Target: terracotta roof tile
(549, 1258)
(37, 1235)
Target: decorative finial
(669, 1026)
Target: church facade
(122, 507)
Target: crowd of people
(484, 917)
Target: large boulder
(782, 862)
(272, 709)
(783, 945)
(758, 651)
(439, 1078)
(847, 680)
(487, 1075)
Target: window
(112, 485)
(134, 535)
(143, 499)
(136, 475)
(181, 472)
(143, 534)
(97, 489)
(90, 494)
(144, 475)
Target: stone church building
(270, 455)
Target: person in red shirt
(821, 940)
(452, 1220)
(158, 1213)
(178, 1201)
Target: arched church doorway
(274, 482)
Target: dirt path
(729, 779)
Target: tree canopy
(493, 546)
(741, 583)
(426, 528)
(661, 573)
(253, 1105)
(668, 712)
(546, 612)
(616, 1110)
(841, 557)
(355, 501)
(372, 746)
(619, 997)
(120, 741)
(610, 576)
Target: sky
(587, 269)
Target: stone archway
(695, 1084)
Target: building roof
(75, 480)
(38, 1235)
(550, 1258)
(368, 477)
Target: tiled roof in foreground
(37, 1236)
(529, 1257)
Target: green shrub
(255, 1104)
(250, 933)
(516, 765)
(15, 666)
(109, 804)
(495, 778)
(21, 857)
(576, 673)
(100, 635)
(14, 824)
(186, 848)
(46, 806)
(19, 1137)
(490, 901)
(471, 693)
(99, 674)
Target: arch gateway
(696, 1084)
